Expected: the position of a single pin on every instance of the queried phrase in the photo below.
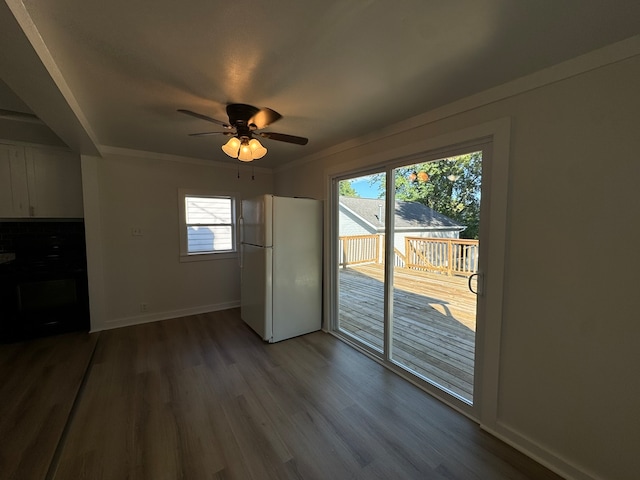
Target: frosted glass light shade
(231, 147)
(245, 153)
(257, 150)
(244, 150)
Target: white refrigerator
(281, 266)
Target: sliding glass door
(361, 227)
(435, 233)
(407, 266)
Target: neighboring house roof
(409, 215)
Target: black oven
(44, 291)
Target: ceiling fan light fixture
(243, 121)
(231, 147)
(245, 152)
(257, 150)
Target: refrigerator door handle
(240, 229)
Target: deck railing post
(345, 251)
(407, 252)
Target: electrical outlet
(136, 232)
(144, 307)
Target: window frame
(185, 255)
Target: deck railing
(451, 256)
(356, 249)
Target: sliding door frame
(493, 138)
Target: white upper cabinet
(14, 196)
(39, 183)
(54, 180)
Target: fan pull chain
(238, 171)
(253, 177)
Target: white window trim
(185, 256)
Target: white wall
(568, 385)
(131, 190)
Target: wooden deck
(433, 321)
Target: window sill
(204, 257)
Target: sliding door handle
(479, 284)
(239, 239)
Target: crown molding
(106, 150)
(593, 60)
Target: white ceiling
(334, 69)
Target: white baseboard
(508, 435)
(159, 316)
(540, 454)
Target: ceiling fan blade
(204, 134)
(264, 118)
(204, 117)
(281, 137)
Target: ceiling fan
(244, 123)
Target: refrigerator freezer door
(256, 308)
(257, 221)
(297, 267)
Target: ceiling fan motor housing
(244, 121)
(240, 113)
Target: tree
(450, 186)
(346, 189)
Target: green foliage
(452, 188)
(347, 190)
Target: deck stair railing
(450, 256)
(399, 260)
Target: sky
(361, 185)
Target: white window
(207, 224)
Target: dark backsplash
(19, 235)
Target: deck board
(434, 321)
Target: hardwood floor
(203, 397)
(39, 381)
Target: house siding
(350, 225)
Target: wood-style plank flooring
(39, 382)
(434, 321)
(202, 397)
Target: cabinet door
(55, 183)
(14, 195)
